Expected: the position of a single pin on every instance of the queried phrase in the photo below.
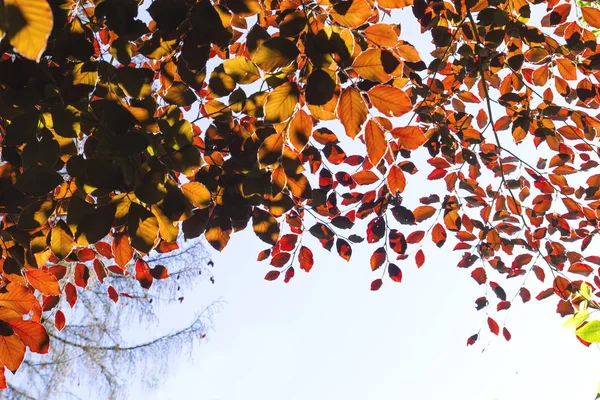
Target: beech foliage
(127, 126)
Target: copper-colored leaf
(43, 281)
(390, 100)
(59, 320)
(352, 111)
(12, 348)
(378, 258)
(409, 137)
(33, 335)
(396, 181)
(305, 258)
(376, 141)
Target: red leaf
(479, 275)
(288, 242)
(112, 294)
(263, 255)
(420, 258)
(415, 237)
(71, 292)
(59, 320)
(545, 294)
(506, 334)
(142, 274)
(82, 275)
(395, 273)
(59, 271)
(472, 339)
(503, 305)
(272, 275)
(378, 258)
(280, 259)
(520, 260)
(86, 254)
(493, 326)
(289, 274)
(100, 270)
(376, 284)
(104, 249)
(159, 272)
(525, 295)
(539, 273)
(305, 258)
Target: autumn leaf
(409, 137)
(305, 258)
(390, 100)
(352, 111)
(396, 180)
(281, 103)
(375, 141)
(43, 281)
(591, 15)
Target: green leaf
(585, 291)
(576, 319)
(590, 332)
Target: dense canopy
(127, 126)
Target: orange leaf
(376, 142)
(384, 35)
(365, 177)
(423, 212)
(409, 137)
(438, 235)
(351, 15)
(17, 298)
(142, 274)
(378, 258)
(122, 250)
(377, 65)
(33, 334)
(352, 111)
(566, 68)
(59, 320)
(396, 180)
(591, 15)
(43, 281)
(419, 258)
(12, 348)
(390, 100)
(82, 275)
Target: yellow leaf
(197, 193)
(300, 130)
(390, 100)
(281, 103)
(270, 150)
(351, 14)
(166, 228)
(376, 141)
(352, 111)
(275, 53)
(61, 240)
(242, 70)
(591, 15)
(29, 25)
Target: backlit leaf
(281, 103)
(352, 111)
(43, 281)
(390, 100)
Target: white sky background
(325, 335)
